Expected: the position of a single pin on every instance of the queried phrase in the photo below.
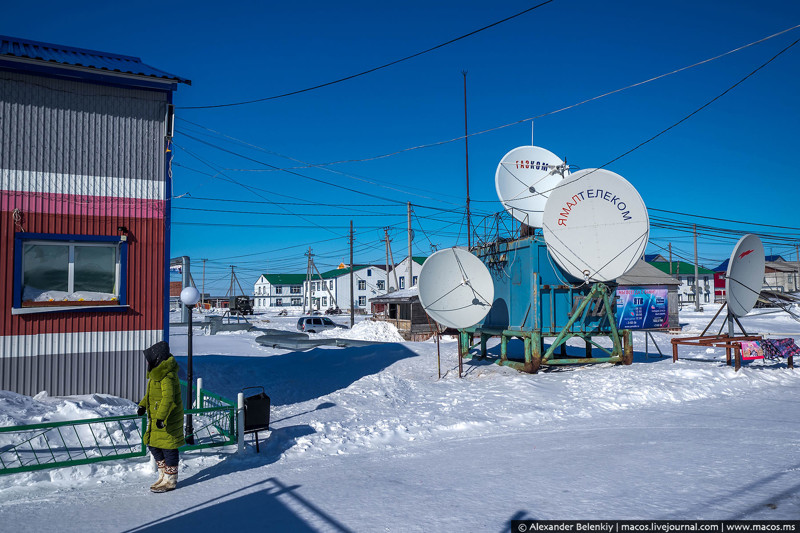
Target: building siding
(82, 158)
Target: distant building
(649, 258)
(401, 270)
(333, 290)
(278, 290)
(85, 198)
(684, 273)
(780, 275)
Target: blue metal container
(532, 293)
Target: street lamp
(189, 296)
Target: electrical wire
(374, 69)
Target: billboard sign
(642, 308)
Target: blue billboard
(642, 308)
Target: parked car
(333, 311)
(315, 324)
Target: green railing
(77, 442)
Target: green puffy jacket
(163, 402)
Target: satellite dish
(595, 225)
(524, 178)
(455, 288)
(745, 275)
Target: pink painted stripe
(76, 204)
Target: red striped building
(84, 217)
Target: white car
(315, 324)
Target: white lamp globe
(190, 296)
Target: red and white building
(84, 217)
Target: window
(414, 281)
(369, 272)
(362, 301)
(324, 301)
(69, 270)
(297, 301)
(402, 282)
(381, 285)
(327, 321)
(279, 289)
(331, 284)
(279, 301)
(362, 285)
(294, 290)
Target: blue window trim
(20, 237)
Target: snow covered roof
(403, 294)
(644, 273)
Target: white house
(401, 269)
(278, 290)
(333, 290)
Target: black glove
(141, 411)
(160, 424)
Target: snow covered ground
(369, 439)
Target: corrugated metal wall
(81, 158)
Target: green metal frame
(35, 447)
(621, 352)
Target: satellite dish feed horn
(455, 288)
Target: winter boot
(161, 465)
(169, 482)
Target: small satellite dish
(524, 178)
(455, 288)
(595, 225)
(745, 275)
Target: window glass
(381, 285)
(95, 268)
(362, 284)
(278, 290)
(328, 322)
(45, 268)
(316, 321)
(402, 282)
(362, 301)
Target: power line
(374, 69)
(566, 108)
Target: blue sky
(735, 159)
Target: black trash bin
(256, 413)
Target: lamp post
(189, 296)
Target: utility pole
(670, 259)
(410, 259)
(324, 284)
(307, 288)
(203, 294)
(391, 258)
(466, 156)
(352, 303)
(386, 240)
(696, 275)
(797, 273)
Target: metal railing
(77, 442)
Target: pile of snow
(367, 330)
(18, 410)
(31, 294)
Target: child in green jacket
(162, 403)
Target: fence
(78, 442)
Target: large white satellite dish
(745, 275)
(595, 225)
(455, 288)
(523, 180)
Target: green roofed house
(333, 290)
(278, 290)
(684, 272)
